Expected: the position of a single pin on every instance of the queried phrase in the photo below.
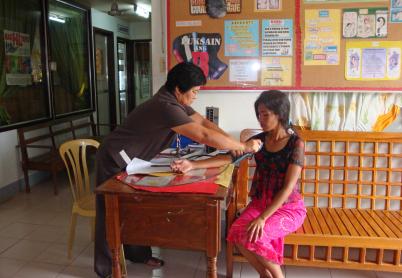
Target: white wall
(10, 169)
(140, 31)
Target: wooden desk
(171, 220)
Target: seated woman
(276, 208)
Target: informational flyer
(323, 35)
(276, 71)
(241, 38)
(243, 70)
(198, 7)
(370, 61)
(277, 37)
(17, 58)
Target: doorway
(125, 80)
(142, 70)
(105, 80)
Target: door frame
(112, 75)
(130, 71)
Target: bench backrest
(344, 169)
(45, 135)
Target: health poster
(241, 38)
(322, 37)
(365, 23)
(276, 71)
(277, 37)
(371, 61)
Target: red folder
(205, 187)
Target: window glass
(23, 90)
(69, 63)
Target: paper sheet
(139, 166)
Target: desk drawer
(165, 222)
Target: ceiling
(129, 15)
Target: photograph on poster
(396, 15)
(353, 61)
(394, 62)
(396, 3)
(365, 23)
(267, 5)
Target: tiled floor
(33, 236)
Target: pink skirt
(284, 221)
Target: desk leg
(213, 237)
(113, 232)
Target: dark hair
(184, 76)
(277, 102)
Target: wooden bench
(45, 138)
(352, 188)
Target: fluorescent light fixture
(143, 10)
(56, 18)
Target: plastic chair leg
(123, 265)
(72, 234)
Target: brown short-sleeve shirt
(147, 130)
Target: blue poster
(277, 37)
(241, 38)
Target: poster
(276, 71)
(17, 58)
(370, 61)
(341, 1)
(197, 7)
(243, 70)
(365, 23)
(202, 50)
(322, 39)
(241, 38)
(267, 5)
(277, 37)
(396, 11)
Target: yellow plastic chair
(74, 155)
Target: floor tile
(307, 272)
(38, 270)
(6, 242)
(8, 267)
(46, 233)
(56, 253)
(341, 273)
(18, 230)
(77, 272)
(25, 250)
(381, 274)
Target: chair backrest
(74, 155)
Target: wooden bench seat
(352, 188)
(39, 143)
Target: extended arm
(183, 166)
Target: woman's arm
(184, 165)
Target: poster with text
(198, 7)
(370, 61)
(17, 59)
(322, 37)
(243, 70)
(241, 38)
(276, 71)
(277, 37)
(267, 5)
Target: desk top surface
(114, 186)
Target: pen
(160, 165)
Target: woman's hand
(255, 229)
(181, 166)
(252, 146)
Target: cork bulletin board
(271, 44)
